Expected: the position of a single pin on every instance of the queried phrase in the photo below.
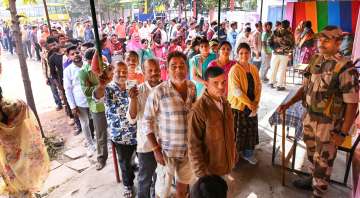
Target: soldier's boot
(305, 184)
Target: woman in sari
(134, 44)
(244, 96)
(305, 43)
(224, 59)
(24, 162)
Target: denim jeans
(248, 153)
(125, 153)
(55, 92)
(147, 176)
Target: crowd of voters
(182, 96)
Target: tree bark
(22, 60)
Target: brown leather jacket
(211, 137)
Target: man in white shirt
(75, 96)
(256, 45)
(231, 37)
(244, 37)
(159, 32)
(147, 162)
(172, 30)
(151, 25)
(143, 31)
(192, 31)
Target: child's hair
(132, 53)
(211, 186)
(204, 41)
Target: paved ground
(262, 180)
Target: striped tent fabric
(289, 13)
(334, 13)
(346, 22)
(311, 14)
(322, 13)
(299, 14)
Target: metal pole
(282, 9)
(283, 150)
(261, 9)
(96, 31)
(47, 15)
(219, 14)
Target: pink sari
(160, 53)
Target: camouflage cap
(331, 34)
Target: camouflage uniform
(327, 89)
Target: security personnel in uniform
(330, 95)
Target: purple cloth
(67, 63)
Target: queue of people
(187, 103)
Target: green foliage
(5, 3)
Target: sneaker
(272, 85)
(100, 165)
(304, 184)
(252, 160)
(280, 88)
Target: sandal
(128, 193)
(99, 166)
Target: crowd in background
(153, 73)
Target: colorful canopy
(322, 13)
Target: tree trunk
(211, 14)
(181, 9)
(22, 60)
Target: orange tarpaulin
(311, 14)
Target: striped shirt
(166, 110)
